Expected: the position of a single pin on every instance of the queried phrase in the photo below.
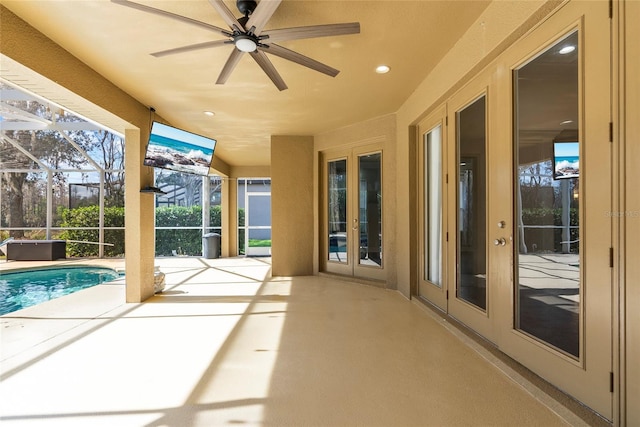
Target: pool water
(23, 289)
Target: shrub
(549, 239)
(183, 241)
(88, 216)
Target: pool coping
(53, 267)
(116, 264)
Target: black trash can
(211, 245)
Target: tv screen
(566, 160)
(179, 150)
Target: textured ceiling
(116, 41)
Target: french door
(353, 212)
(454, 197)
(520, 162)
(471, 148)
(562, 317)
(433, 200)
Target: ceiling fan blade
(226, 14)
(290, 55)
(312, 31)
(164, 13)
(262, 14)
(269, 69)
(229, 66)
(190, 48)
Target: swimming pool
(21, 289)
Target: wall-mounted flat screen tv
(566, 160)
(178, 150)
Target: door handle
(500, 242)
(355, 224)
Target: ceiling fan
(248, 35)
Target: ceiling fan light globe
(246, 44)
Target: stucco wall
(292, 205)
(382, 131)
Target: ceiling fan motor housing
(246, 7)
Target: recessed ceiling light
(567, 49)
(382, 69)
(209, 113)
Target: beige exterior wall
(381, 131)
(292, 205)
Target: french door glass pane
(472, 190)
(547, 192)
(370, 209)
(337, 215)
(433, 206)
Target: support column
(139, 219)
(292, 219)
(229, 217)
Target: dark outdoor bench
(36, 250)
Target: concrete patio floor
(227, 344)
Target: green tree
(51, 148)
